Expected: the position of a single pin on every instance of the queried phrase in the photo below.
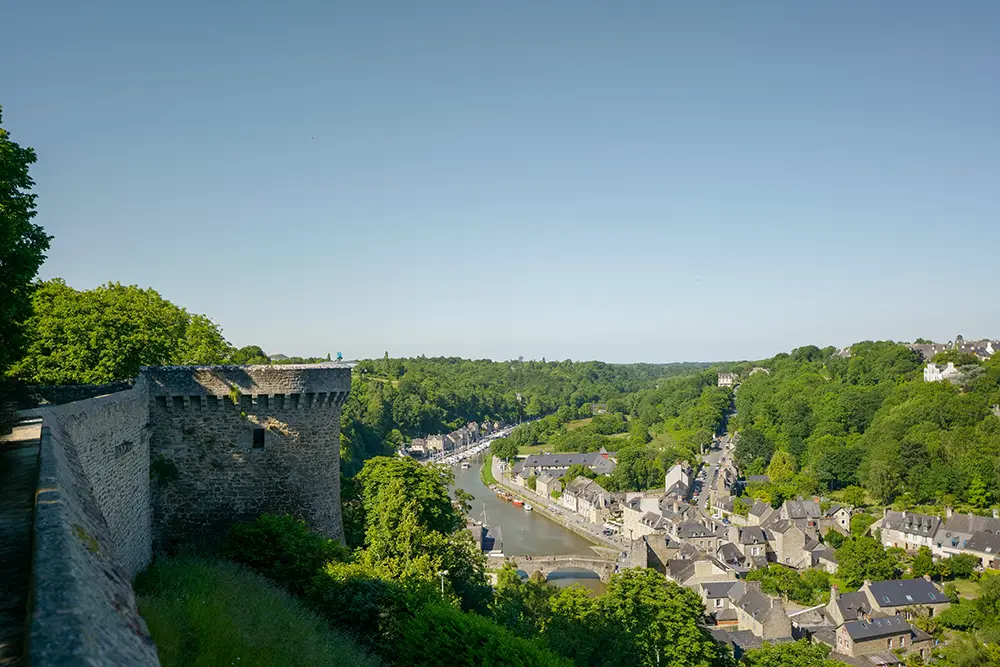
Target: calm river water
(527, 533)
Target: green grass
(207, 613)
(966, 588)
(486, 472)
(578, 423)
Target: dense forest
(820, 421)
(393, 400)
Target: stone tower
(230, 442)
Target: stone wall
(228, 443)
(110, 439)
(83, 610)
(67, 393)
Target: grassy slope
(486, 472)
(205, 613)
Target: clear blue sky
(653, 181)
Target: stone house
(718, 606)
(587, 498)
(881, 635)
(789, 542)
(698, 535)
(847, 607)
(546, 484)
(435, 443)
(986, 546)
(677, 481)
(418, 447)
(908, 530)
(727, 379)
(905, 597)
(759, 613)
(838, 517)
(472, 428)
(601, 463)
(803, 513)
(752, 541)
(956, 530)
(760, 514)
(822, 556)
(654, 551)
(690, 572)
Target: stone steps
(18, 482)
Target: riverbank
(550, 510)
(486, 470)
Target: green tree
(753, 447)
(504, 448)
(249, 355)
(413, 530)
(203, 344)
(978, 494)
(22, 246)
(860, 523)
(863, 558)
(782, 467)
(923, 563)
(794, 654)
(99, 335)
(660, 619)
(834, 539)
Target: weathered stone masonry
(178, 456)
(228, 443)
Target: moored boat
(527, 508)
(518, 502)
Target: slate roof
(912, 523)
(905, 592)
(717, 589)
(763, 479)
(545, 478)
(728, 614)
(729, 552)
(752, 535)
(854, 605)
(692, 529)
(883, 626)
(801, 509)
(984, 542)
(968, 524)
(744, 639)
(590, 459)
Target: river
(527, 533)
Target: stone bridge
(602, 567)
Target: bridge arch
(546, 565)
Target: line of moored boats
(509, 497)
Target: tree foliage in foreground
(793, 654)
(22, 246)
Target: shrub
(444, 635)
(352, 596)
(283, 549)
(205, 613)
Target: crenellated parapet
(292, 386)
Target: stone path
(18, 480)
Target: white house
(935, 373)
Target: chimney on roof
(816, 499)
(927, 577)
(867, 584)
(677, 507)
(996, 513)
(904, 514)
(948, 512)
(834, 593)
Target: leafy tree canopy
(22, 246)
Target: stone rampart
(83, 610)
(228, 443)
(109, 436)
